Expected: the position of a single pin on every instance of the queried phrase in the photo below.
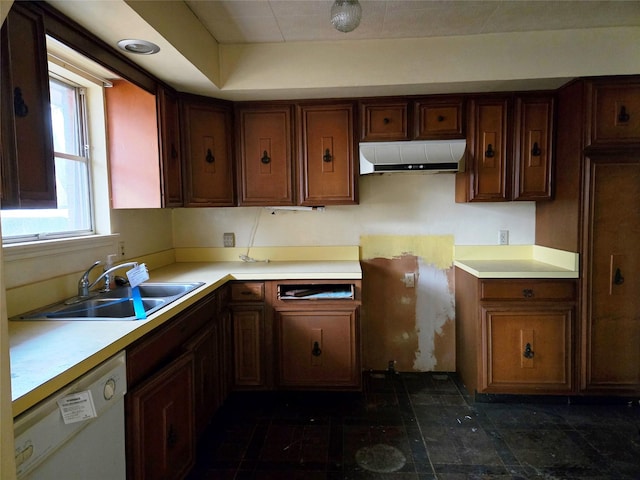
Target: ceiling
(267, 49)
(262, 21)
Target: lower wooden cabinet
(161, 416)
(317, 347)
(515, 336)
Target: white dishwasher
(78, 433)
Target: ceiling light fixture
(139, 47)
(345, 15)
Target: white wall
(399, 204)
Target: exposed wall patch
(436, 250)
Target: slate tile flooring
(417, 426)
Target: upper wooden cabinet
(170, 154)
(207, 153)
(265, 145)
(384, 121)
(533, 149)
(509, 149)
(614, 116)
(28, 168)
(407, 118)
(134, 158)
(327, 154)
(439, 118)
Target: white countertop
(46, 355)
(514, 261)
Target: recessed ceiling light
(140, 47)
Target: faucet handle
(83, 283)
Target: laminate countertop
(516, 261)
(47, 355)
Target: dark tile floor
(416, 426)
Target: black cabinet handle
(265, 158)
(528, 353)
(618, 279)
(527, 293)
(490, 153)
(386, 121)
(316, 352)
(440, 118)
(327, 156)
(20, 108)
(209, 158)
(623, 116)
(535, 151)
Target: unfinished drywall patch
(413, 326)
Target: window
(73, 215)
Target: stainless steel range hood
(429, 156)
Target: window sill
(47, 248)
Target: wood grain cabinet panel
(208, 159)
(327, 154)
(439, 118)
(170, 153)
(28, 166)
(265, 147)
(615, 112)
(384, 121)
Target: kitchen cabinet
(596, 214)
(162, 445)
(251, 335)
(515, 336)
(439, 118)
(173, 380)
(170, 152)
(317, 334)
(384, 120)
(26, 139)
(614, 113)
(327, 154)
(134, 157)
(207, 152)
(506, 162)
(265, 152)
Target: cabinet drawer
(247, 292)
(527, 290)
(439, 119)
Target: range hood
(429, 156)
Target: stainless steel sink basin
(115, 304)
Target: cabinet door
(208, 155)
(169, 124)
(249, 351)
(327, 153)
(28, 167)
(384, 121)
(611, 303)
(533, 148)
(160, 424)
(527, 349)
(206, 375)
(486, 173)
(265, 153)
(615, 114)
(318, 347)
(439, 119)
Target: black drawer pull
(265, 158)
(316, 351)
(528, 353)
(618, 279)
(490, 153)
(527, 293)
(623, 116)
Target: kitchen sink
(116, 304)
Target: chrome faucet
(84, 286)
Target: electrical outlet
(504, 237)
(121, 250)
(229, 239)
(409, 280)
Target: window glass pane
(64, 118)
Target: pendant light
(345, 15)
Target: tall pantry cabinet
(596, 213)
